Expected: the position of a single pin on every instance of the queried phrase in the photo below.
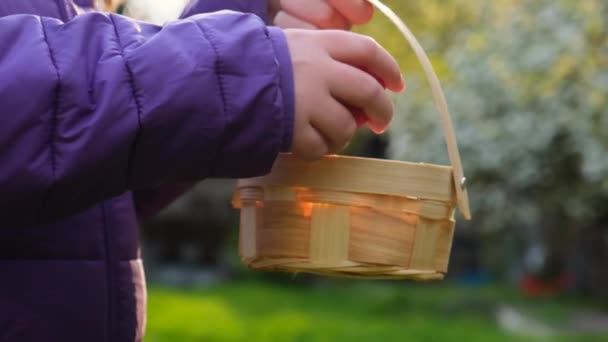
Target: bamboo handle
(442, 106)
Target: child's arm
(149, 202)
(311, 14)
(101, 105)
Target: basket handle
(462, 197)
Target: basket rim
(361, 175)
(373, 160)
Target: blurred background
(527, 83)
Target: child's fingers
(337, 124)
(364, 52)
(317, 12)
(309, 144)
(358, 89)
(357, 12)
(285, 20)
(360, 117)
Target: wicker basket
(355, 217)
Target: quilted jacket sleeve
(257, 7)
(103, 104)
(149, 202)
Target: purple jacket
(101, 119)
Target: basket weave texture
(349, 217)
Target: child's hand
(320, 14)
(331, 87)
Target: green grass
(258, 311)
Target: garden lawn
(365, 311)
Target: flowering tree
(527, 82)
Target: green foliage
(367, 311)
